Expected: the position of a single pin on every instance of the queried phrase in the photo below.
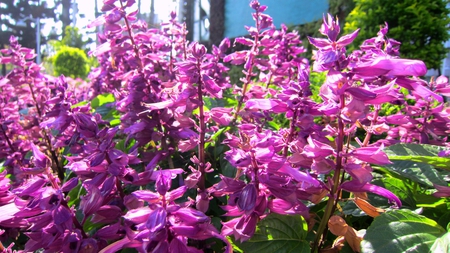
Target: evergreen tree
(421, 26)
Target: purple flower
(360, 173)
(163, 182)
(198, 50)
(442, 191)
(109, 232)
(107, 214)
(241, 228)
(373, 155)
(391, 67)
(247, 198)
(41, 161)
(354, 186)
(92, 201)
(317, 149)
(266, 104)
(238, 157)
(157, 220)
(330, 27)
(221, 115)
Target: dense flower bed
(159, 152)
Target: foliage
(422, 26)
(69, 46)
(72, 62)
(417, 232)
(14, 12)
(160, 152)
(278, 233)
(73, 38)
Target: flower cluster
(159, 152)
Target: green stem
(333, 199)
(57, 167)
(201, 144)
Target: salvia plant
(159, 152)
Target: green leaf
(230, 102)
(413, 150)
(278, 233)
(274, 125)
(417, 172)
(438, 162)
(400, 188)
(74, 195)
(79, 104)
(401, 231)
(444, 220)
(102, 99)
(228, 170)
(102, 105)
(90, 226)
(429, 201)
(216, 135)
(212, 102)
(422, 153)
(416, 161)
(125, 145)
(442, 244)
(196, 111)
(115, 122)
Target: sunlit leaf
(278, 233)
(406, 157)
(401, 231)
(442, 244)
(102, 99)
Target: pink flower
(442, 191)
(373, 155)
(221, 115)
(391, 67)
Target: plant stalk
(201, 144)
(334, 198)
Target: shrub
(71, 62)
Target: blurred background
(421, 25)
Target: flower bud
(202, 202)
(70, 184)
(163, 182)
(337, 225)
(92, 201)
(41, 161)
(198, 50)
(353, 239)
(247, 198)
(190, 216)
(368, 208)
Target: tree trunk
(65, 15)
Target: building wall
(288, 12)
